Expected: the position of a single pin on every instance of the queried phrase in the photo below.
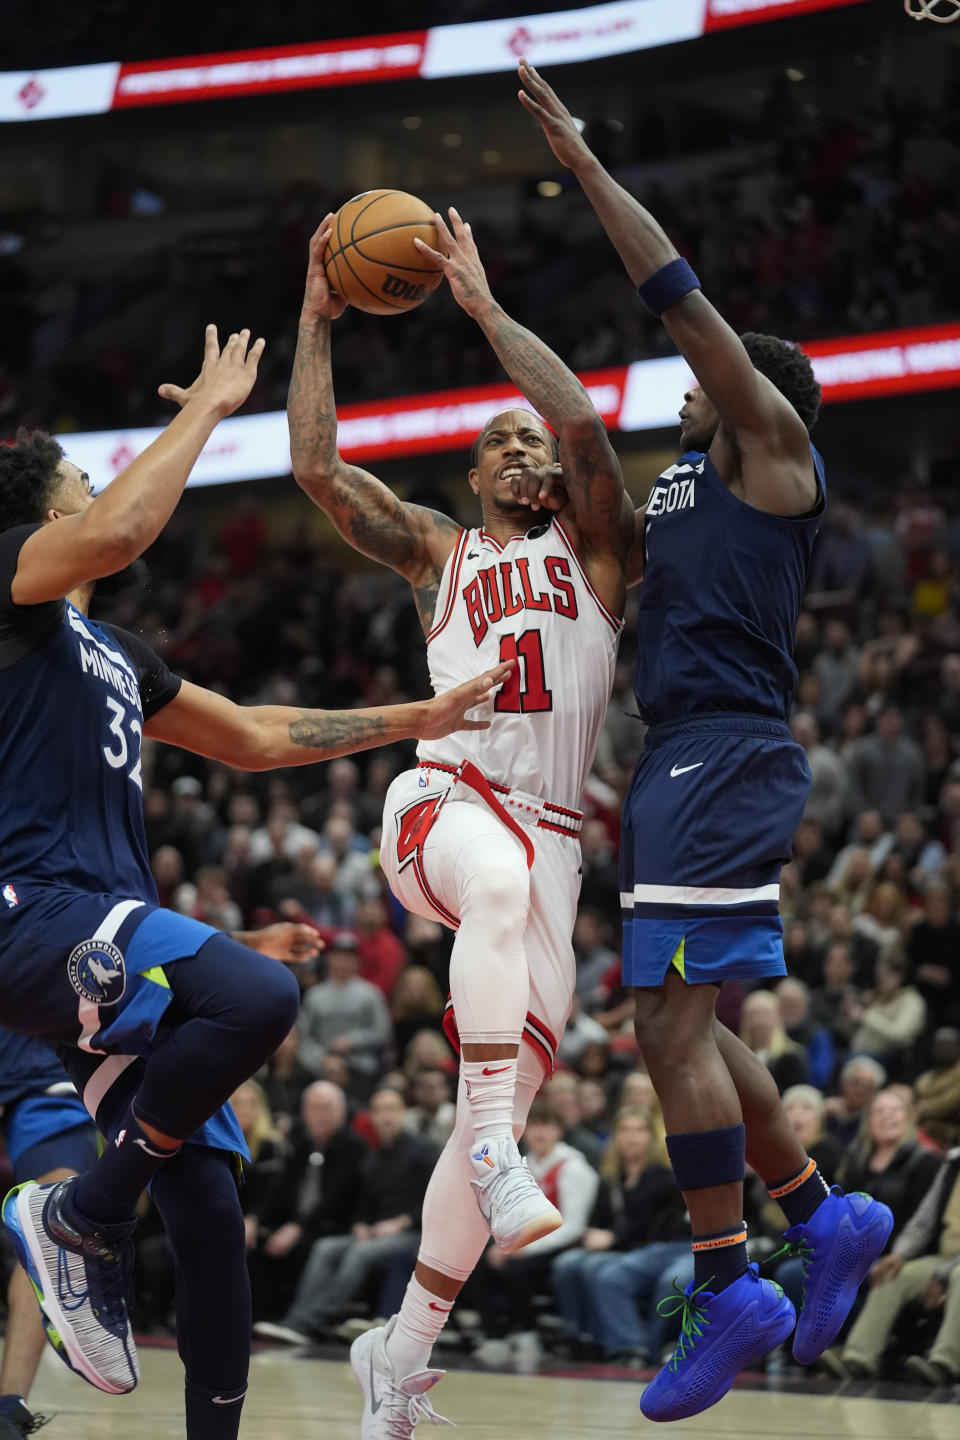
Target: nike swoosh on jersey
(682, 769)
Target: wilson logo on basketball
(402, 289)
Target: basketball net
(932, 10)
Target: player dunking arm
(88, 959)
(715, 798)
(484, 836)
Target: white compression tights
(454, 1235)
(480, 872)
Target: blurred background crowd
(811, 177)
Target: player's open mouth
(512, 472)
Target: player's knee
(498, 895)
(668, 1031)
(274, 1004)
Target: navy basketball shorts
(48, 1132)
(707, 824)
(85, 972)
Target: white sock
(421, 1318)
(490, 1085)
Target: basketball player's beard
(136, 573)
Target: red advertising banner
(723, 14)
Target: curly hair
(28, 477)
(787, 367)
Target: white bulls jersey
(529, 601)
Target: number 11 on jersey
(526, 689)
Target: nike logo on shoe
(374, 1402)
(682, 769)
(501, 1071)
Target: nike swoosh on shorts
(682, 769)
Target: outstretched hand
(447, 712)
(542, 102)
(319, 301)
(459, 260)
(226, 377)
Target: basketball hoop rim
(926, 11)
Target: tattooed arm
(591, 472)
(411, 539)
(268, 737)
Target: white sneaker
(285, 1334)
(515, 1209)
(527, 1352)
(80, 1280)
(392, 1408)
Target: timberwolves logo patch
(96, 972)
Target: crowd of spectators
(863, 1039)
(776, 208)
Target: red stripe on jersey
(458, 555)
(611, 620)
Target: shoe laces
(35, 1423)
(111, 1295)
(512, 1183)
(404, 1412)
(693, 1318)
(800, 1250)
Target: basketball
(371, 259)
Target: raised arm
(123, 521)
(591, 471)
(270, 737)
(762, 425)
(411, 539)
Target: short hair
(543, 1113)
(871, 1067)
(805, 1095)
(789, 369)
(28, 477)
(475, 447)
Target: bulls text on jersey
(505, 589)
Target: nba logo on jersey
(10, 896)
(96, 972)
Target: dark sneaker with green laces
(16, 1420)
(836, 1247)
(80, 1279)
(720, 1335)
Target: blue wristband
(667, 285)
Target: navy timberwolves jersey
(722, 589)
(74, 696)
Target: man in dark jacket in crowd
(385, 1225)
(317, 1199)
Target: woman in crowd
(602, 1292)
(887, 1161)
(762, 1030)
(417, 1004)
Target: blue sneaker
(80, 1280)
(836, 1248)
(720, 1335)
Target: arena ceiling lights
(642, 396)
(481, 47)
